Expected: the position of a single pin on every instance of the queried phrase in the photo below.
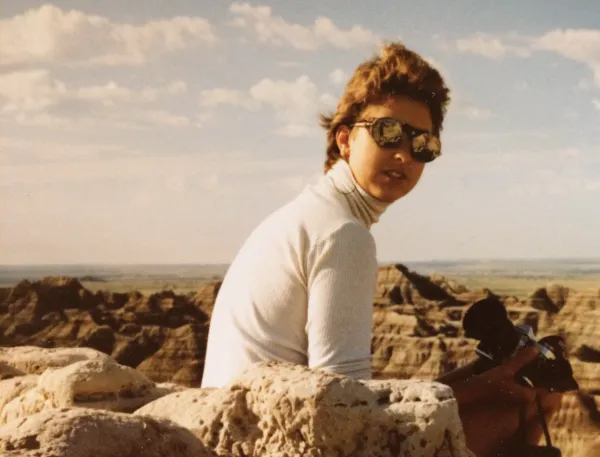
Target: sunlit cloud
(78, 38)
(491, 47)
(36, 98)
(323, 32)
(338, 76)
(295, 103)
(580, 45)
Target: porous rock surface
(286, 410)
(86, 409)
(99, 383)
(84, 432)
(593, 448)
(8, 371)
(35, 360)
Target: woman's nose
(403, 154)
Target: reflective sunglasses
(389, 133)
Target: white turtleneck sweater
(301, 288)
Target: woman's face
(391, 173)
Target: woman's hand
(499, 384)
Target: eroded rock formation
(163, 335)
(417, 334)
(80, 432)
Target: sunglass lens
(426, 147)
(387, 132)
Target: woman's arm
(498, 384)
(342, 278)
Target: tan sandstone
(99, 384)
(84, 432)
(7, 371)
(35, 360)
(281, 410)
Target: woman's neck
(364, 206)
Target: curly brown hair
(397, 71)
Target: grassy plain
(522, 286)
(519, 286)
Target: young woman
(301, 288)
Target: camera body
(499, 339)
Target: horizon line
(381, 262)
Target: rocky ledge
(82, 403)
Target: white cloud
(323, 32)
(515, 165)
(296, 103)
(289, 64)
(34, 97)
(222, 96)
(475, 113)
(294, 183)
(596, 103)
(127, 166)
(522, 85)
(27, 91)
(338, 76)
(76, 37)
(553, 182)
(533, 171)
(173, 88)
(489, 46)
(593, 186)
(108, 93)
(162, 117)
(292, 100)
(328, 101)
(177, 87)
(571, 113)
(239, 22)
(16, 151)
(580, 45)
(297, 130)
(584, 85)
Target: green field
(147, 286)
(522, 286)
(505, 277)
(503, 285)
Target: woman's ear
(342, 138)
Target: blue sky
(164, 134)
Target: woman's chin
(390, 193)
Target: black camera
(499, 339)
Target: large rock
(99, 384)
(8, 371)
(35, 360)
(400, 285)
(92, 433)
(550, 298)
(578, 320)
(13, 388)
(281, 409)
(180, 358)
(593, 448)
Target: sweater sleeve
(341, 286)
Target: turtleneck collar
(366, 208)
